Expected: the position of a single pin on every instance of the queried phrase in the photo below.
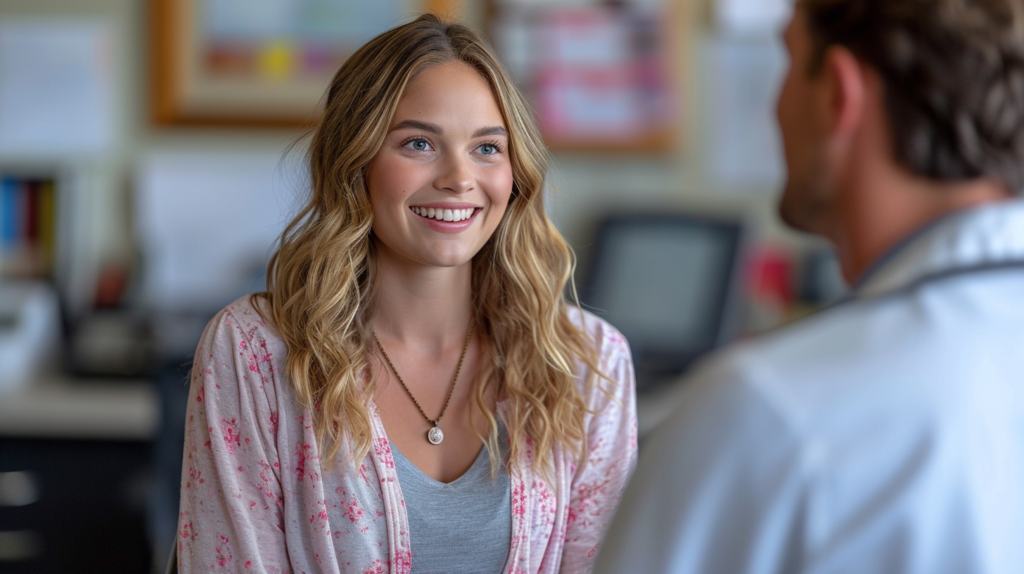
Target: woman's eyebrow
(491, 131)
(434, 129)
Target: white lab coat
(885, 435)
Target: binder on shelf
(28, 229)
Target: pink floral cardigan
(255, 497)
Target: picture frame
(236, 63)
(602, 76)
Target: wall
(589, 185)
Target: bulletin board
(259, 62)
(601, 75)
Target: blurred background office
(145, 173)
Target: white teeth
(443, 214)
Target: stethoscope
(925, 280)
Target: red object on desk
(770, 275)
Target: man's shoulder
(831, 336)
(777, 399)
(836, 339)
(801, 370)
(845, 362)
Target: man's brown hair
(953, 72)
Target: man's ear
(846, 81)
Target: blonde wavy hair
(320, 285)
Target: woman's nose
(455, 176)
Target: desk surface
(89, 409)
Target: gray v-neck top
(460, 527)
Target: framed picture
(259, 62)
(601, 75)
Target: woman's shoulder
(241, 354)
(610, 392)
(245, 318)
(609, 342)
(240, 329)
(616, 380)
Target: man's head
(935, 87)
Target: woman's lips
(446, 219)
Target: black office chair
(172, 561)
(172, 381)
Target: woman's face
(441, 182)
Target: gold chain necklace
(434, 435)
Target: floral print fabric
(255, 497)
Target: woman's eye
(488, 149)
(418, 144)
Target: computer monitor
(669, 283)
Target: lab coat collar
(983, 236)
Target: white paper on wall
(208, 221)
(57, 87)
(752, 17)
(742, 83)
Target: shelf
(87, 409)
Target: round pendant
(435, 436)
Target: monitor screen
(667, 282)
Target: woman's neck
(422, 306)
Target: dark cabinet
(74, 506)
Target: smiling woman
(413, 330)
(446, 154)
